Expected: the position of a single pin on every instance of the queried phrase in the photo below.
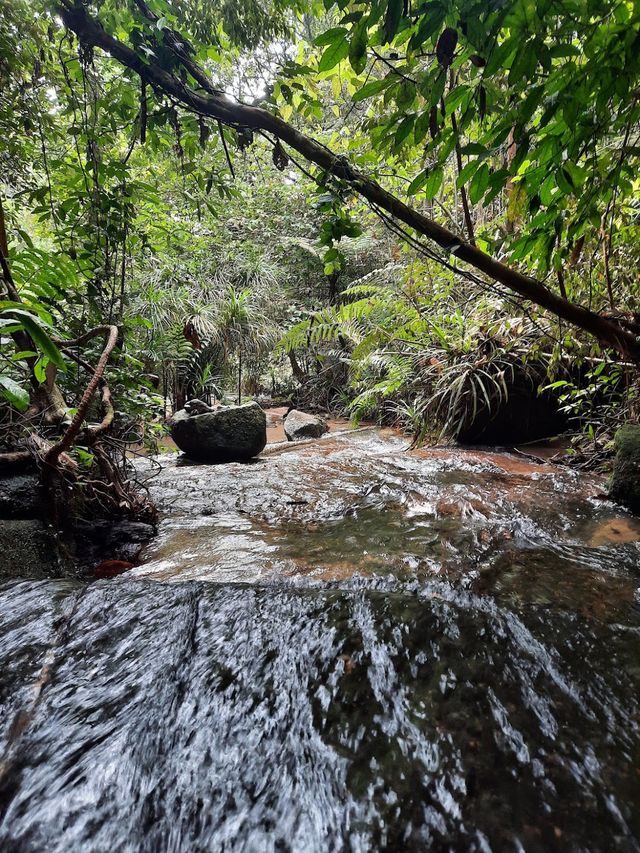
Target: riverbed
(343, 645)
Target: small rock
(111, 568)
(299, 425)
(197, 407)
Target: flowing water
(340, 646)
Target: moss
(625, 482)
(627, 440)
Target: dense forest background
(158, 243)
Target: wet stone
(299, 425)
(226, 434)
(344, 645)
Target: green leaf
(479, 184)
(429, 23)
(455, 98)
(421, 127)
(418, 182)
(467, 173)
(404, 129)
(405, 94)
(392, 19)
(358, 47)
(563, 180)
(335, 34)
(40, 338)
(334, 53)
(40, 369)
(373, 87)
(434, 182)
(14, 393)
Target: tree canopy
(157, 155)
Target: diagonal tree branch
(232, 113)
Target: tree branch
(52, 455)
(235, 114)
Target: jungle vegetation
(391, 209)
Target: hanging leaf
(40, 338)
(446, 47)
(405, 94)
(418, 182)
(482, 102)
(434, 183)
(429, 24)
(358, 47)
(335, 34)
(404, 129)
(433, 122)
(479, 184)
(373, 87)
(392, 20)
(421, 127)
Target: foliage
(514, 124)
(535, 102)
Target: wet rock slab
(362, 716)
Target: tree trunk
(214, 103)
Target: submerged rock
(625, 483)
(110, 539)
(298, 425)
(227, 434)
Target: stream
(341, 646)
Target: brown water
(340, 646)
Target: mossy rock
(227, 434)
(625, 482)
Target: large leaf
(479, 184)
(358, 47)
(333, 54)
(40, 338)
(434, 182)
(331, 36)
(392, 19)
(373, 87)
(14, 393)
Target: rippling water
(339, 647)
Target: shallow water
(341, 646)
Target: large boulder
(625, 482)
(225, 434)
(299, 425)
